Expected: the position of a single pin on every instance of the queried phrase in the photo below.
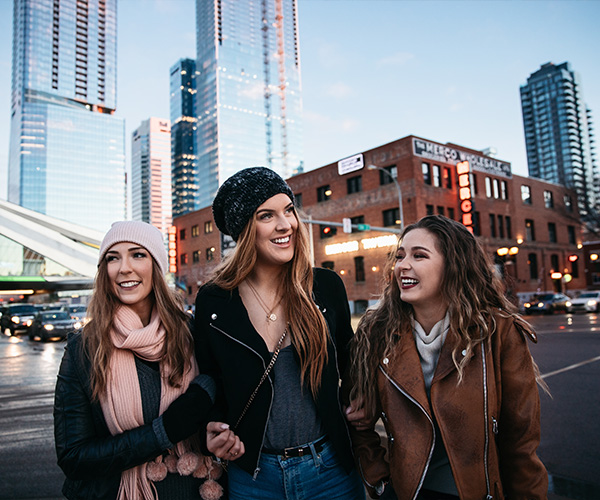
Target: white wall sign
(351, 164)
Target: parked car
(16, 318)
(547, 303)
(52, 324)
(586, 302)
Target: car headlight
(568, 304)
(527, 305)
(48, 327)
(15, 319)
(77, 325)
(592, 302)
(29, 322)
(541, 304)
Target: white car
(586, 302)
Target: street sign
(350, 164)
(363, 227)
(347, 224)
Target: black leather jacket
(230, 350)
(91, 458)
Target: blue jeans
(316, 476)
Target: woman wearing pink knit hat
(129, 401)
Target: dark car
(17, 318)
(547, 303)
(52, 324)
(79, 313)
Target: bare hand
(357, 416)
(222, 441)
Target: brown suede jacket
(489, 423)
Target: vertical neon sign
(465, 194)
(172, 249)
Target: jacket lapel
(445, 363)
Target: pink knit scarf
(122, 402)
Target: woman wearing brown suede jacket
(443, 360)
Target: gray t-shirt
(293, 420)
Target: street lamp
(400, 213)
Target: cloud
(318, 121)
(397, 59)
(339, 90)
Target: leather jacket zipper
(487, 431)
(410, 398)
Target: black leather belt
(297, 451)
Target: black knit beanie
(240, 195)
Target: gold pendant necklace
(270, 315)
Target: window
(437, 176)
(529, 230)
(488, 187)
(441, 211)
(533, 266)
(359, 269)
(385, 178)
(451, 213)
(496, 186)
(554, 263)
(575, 269)
(551, 232)
(182, 234)
(298, 198)
(503, 190)
(210, 253)
(391, 217)
(429, 209)
(447, 178)
(568, 203)
(196, 256)
(493, 225)
(508, 227)
(548, 200)
(473, 183)
(526, 194)
(354, 184)
(323, 193)
(183, 259)
(476, 224)
(360, 306)
(327, 231)
(571, 234)
(208, 227)
(195, 231)
(328, 264)
(500, 226)
(359, 219)
(426, 173)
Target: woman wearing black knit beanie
(274, 334)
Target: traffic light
(328, 231)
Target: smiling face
(129, 268)
(419, 270)
(276, 226)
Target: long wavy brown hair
(307, 325)
(470, 287)
(102, 308)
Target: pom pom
(187, 463)
(201, 471)
(171, 463)
(211, 490)
(215, 471)
(156, 471)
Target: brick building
(531, 227)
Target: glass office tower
(558, 133)
(184, 166)
(151, 173)
(248, 103)
(67, 149)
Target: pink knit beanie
(138, 232)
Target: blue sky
(372, 70)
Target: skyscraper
(249, 103)
(67, 149)
(558, 133)
(184, 166)
(151, 173)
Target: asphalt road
(568, 354)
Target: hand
(357, 416)
(222, 442)
(184, 416)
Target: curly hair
(309, 331)
(102, 309)
(470, 287)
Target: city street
(568, 354)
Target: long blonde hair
(309, 330)
(102, 309)
(469, 286)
